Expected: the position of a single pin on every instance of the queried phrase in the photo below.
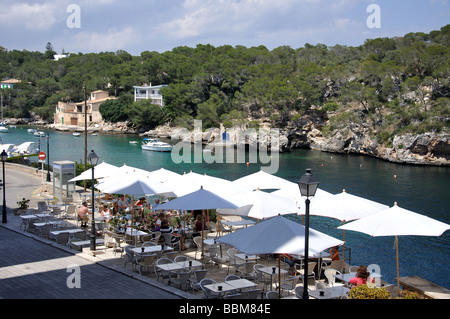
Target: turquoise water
(424, 190)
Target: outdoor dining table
(220, 287)
(241, 283)
(179, 265)
(244, 223)
(273, 272)
(151, 249)
(43, 216)
(329, 293)
(135, 234)
(55, 233)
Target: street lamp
(3, 157)
(93, 159)
(308, 186)
(48, 156)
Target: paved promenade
(32, 267)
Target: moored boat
(154, 144)
(76, 134)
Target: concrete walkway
(32, 267)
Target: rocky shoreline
(423, 149)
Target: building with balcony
(149, 92)
(73, 113)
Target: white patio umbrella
(260, 205)
(278, 235)
(162, 175)
(262, 180)
(344, 207)
(101, 170)
(292, 191)
(201, 199)
(397, 221)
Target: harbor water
(422, 189)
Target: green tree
(144, 114)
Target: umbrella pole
(343, 248)
(279, 276)
(203, 244)
(398, 272)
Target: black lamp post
(93, 159)
(308, 186)
(48, 157)
(4, 156)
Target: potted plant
(23, 206)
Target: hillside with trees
(392, 86)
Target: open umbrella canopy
(162, 175)
(262, 180)
(278, 235)
(130, 183)
(292, 191)
(345, 207)
(100, 171)
(397, 221)
(260, 205)
(198, 200)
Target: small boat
(94, 134)
(154, 144)
(133, 142)
(3, 129)
(76, 134)
(39, 133)
(31, 130)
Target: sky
(153, 25)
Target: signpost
(42, 157)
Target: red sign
(41, 156)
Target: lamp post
(308, 186)
(48, 156)
(93, 159)
(4, 156)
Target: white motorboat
(3, 129)
(39, 133)
(154, 144)
(76, 134)
(31, 130)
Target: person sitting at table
(158, 223)
(167, 229)
(123, 204)
(334, 253)
(199, 226)
(106, 213)
(83, 213)
(361, 277)
(291, 261)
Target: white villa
(73, 113)
(147, 92)
(9, 84)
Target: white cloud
(33, 16)
(110, 40)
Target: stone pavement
(32, 267)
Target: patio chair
(80, 234)
(310, 274)
(335, 264)
(179, 278)
(222, 229)
(108, 237)
(62, 238)
(118, 244)
(215, 258)
(247, 270)
(353, 269)
(168, 241)
(329, 274)
(146, 239)
(261, 277)
(146, 262)
(234, 262)
(155, 237)
(44, 231)
(196, 277)
(163, 274)
(130, 256)
(299, 291)
(74, 247)
(42, 207)
(234, 296)
(208, 293)
(251, 294)
(71, 213)
(181, 258)
(148, 244)
(198, 243)
(289, 284)
(273, 295)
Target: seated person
(158, 223)
(291, 261)
(167, 229)
(83, 213)
(106, 212)
(199, 225)
(361, 276)
(334, 253)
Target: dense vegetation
(397, 85)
